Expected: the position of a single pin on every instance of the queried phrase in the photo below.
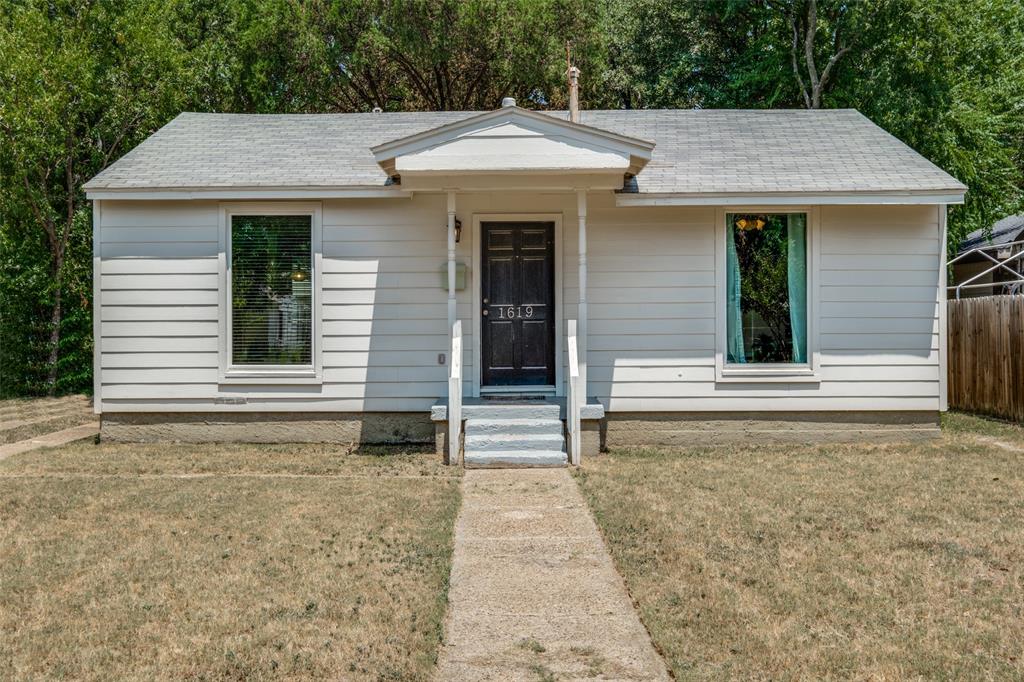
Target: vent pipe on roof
(508, 102)
(574, 94)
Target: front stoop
(504, 433)
(513, 435)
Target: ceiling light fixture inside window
(750, 223)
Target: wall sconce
(458, 230)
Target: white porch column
(451, 262)
(581, 317)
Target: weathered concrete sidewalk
(534, 594)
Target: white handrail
(455, 396)
(574, 403)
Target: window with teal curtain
(734, 311)
(796, 272)
(766, 288)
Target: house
(699, 276)
(991, 262)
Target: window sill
(782, 375)
(265, 377)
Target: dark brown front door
(518, 316)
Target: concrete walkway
(534, 594)
(50, 440)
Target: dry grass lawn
(222, 563)
(856, 561)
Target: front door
(518, 318)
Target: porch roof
(512, 140)
(697, 153)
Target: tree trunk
(55, 320)
(806, 31)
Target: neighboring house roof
(1009, 229)
(697, 152)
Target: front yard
(862, 561)
(304, 561)
(222, 562)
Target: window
(766, 288)
(271, 290)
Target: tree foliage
(83, 81)
(944, 76)
(947, 78)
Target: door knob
(486, 301)
(484, 313)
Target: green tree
(944, 76)
(468, 55)
(81, 82)
(947, 78)
(400, 55)
(695, 53)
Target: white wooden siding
(652, 307)
(652, 338)
(384, 309)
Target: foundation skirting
(268, 427)
(688, 429)
(615, 430)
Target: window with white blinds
(271, 290)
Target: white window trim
(269, 374)
(769, 372)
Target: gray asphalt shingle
(698, 151)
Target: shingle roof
(697, 151)
(1009, 229)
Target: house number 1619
(515, 312)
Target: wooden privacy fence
(986, 355)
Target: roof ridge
(459, 112)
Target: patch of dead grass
(868, 561)
(234, 459)
(116, 562)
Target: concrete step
(498, 410)
(503, 426)
(489, 442)
(515, 458)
